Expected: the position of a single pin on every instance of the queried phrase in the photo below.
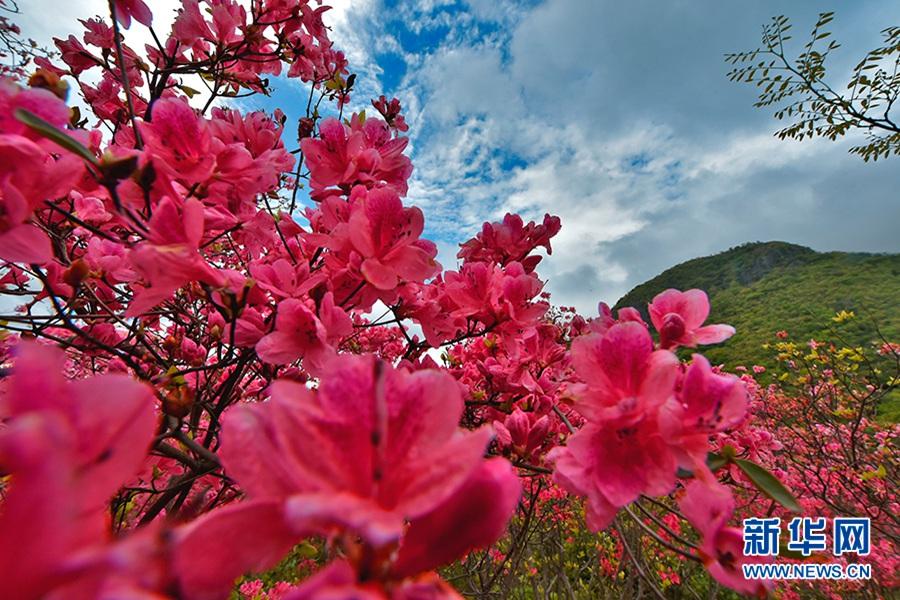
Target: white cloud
(615, 116)
(619, 119)
(44, 20)
(347, 20)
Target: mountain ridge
(765, 287)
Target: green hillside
(761, 288)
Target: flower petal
(473, 517)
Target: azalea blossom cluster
(815, 426)
(205, 368)
(646, 416)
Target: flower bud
(671, 331)
(178, 402)
(305, 128)
(76, 273)
(48, 80)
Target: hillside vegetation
(762, 288)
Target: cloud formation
(615, 116)
(618, 117)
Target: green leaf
(307, 550)
(715, 461)
(189, 91)
(879, 473)
(47, 130)
(768, 484)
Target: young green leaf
(47, 130)
(715, 461)
(768, 484)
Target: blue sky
(616, 116)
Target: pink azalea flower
(250, 155)
(624, 377)
(104, 98)
(475, 290)
(579, 479)
(126, 9)
(170, 257)
(375, 237)
(371, 449)
(511, 240)
(520, 288)
(472, 517)
(679, 316)
(75, 55)
(41, 102)
(621, 453)
(90, 208)
(179, 141)
(620, 462)
(361, 153)
(300, 333)
(134, 566)
(69, 447)
(29, 173)
(190, 28)
(707, 403)
(520, 434)
(20, 241)
(109, 259)
(390, 111)
(493, 294)
(386, 235)
(249, 328)
(98, 33)
(708, 505)
(433, 309)
(284, 280)
(483, 504)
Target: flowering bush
(816, 424)
(795, 429)
(196, 380)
